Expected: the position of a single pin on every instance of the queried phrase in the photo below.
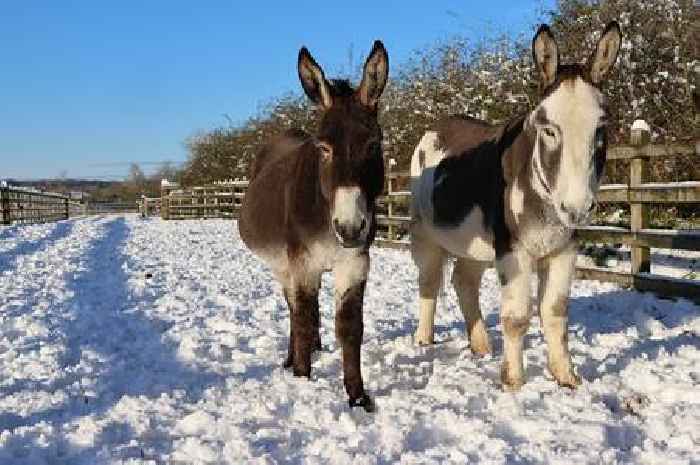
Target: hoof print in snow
(365, 402)
(148, 275)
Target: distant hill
(64, 185)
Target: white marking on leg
(466, 280)
(429, 259)
(515, 314)
(555, 277)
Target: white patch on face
(576, 108)
(350, 210)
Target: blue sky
(86, 87)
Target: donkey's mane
(341, 88)
(567, 72)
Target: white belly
(468, 240)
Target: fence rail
(224, 200)
(25, 206)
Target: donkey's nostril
(363, 225)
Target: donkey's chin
(574, 220)
(349, 243)
(354, 244)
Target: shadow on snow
(26, 247)
(111, 351)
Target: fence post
(639, 172)
(390, 205)
(67, 207)
(5, 205)
(164, 199)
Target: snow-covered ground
(130, 341)
(674, 263)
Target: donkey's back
(285, 145)
(262, 224)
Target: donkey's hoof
(480, 348)
(570, 380)
(510, 382)
(288, 362)
(424, 339)
(513, 386)
(302, 372)
(564, 374)
(479, 341)
(365, 402)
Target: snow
(130, 341)
(670, 263)
(640, 124)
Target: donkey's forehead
(574, 103)
(346, 124)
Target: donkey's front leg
(514, 270)
(302, 299)
(350, 279)
(555, 275)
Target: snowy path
(131, 341)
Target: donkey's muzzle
(578, 216)
(350, 235)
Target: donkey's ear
(313, 80)
(605, 53)
(545, 54)
(375, 75)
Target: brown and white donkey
(512, 194)
(310, 208)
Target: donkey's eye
(325, 149)
(600, 137)
(549, 132)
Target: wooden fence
(638, 194)
(25, 206)
(223, 200)
(219, 200)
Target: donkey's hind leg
(466, 280)
(429, 258)
(555, 274)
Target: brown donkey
(310, 208)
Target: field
(130, 341)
